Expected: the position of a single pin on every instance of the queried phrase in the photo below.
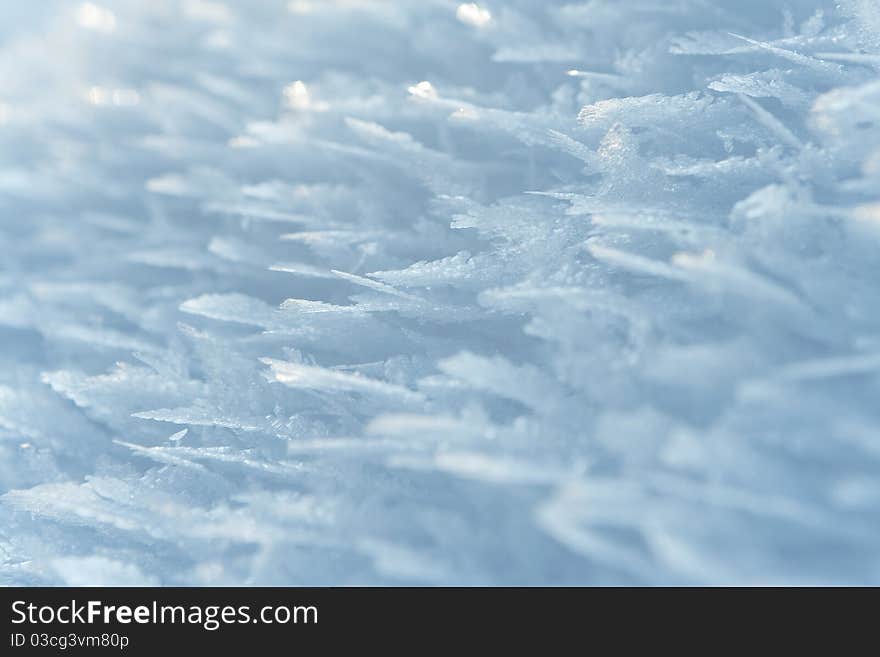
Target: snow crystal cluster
(341, 292)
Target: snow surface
(426, 292)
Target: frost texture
(509, 292)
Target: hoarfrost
(516, 292)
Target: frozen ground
(414, 291)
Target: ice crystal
(508, 292)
